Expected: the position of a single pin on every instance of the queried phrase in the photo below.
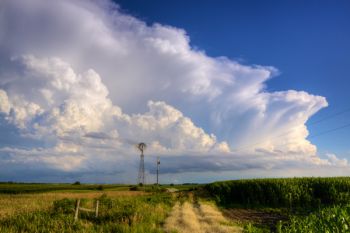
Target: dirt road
(198, 218)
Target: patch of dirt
(255, 216)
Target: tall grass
(123, 214)
(25, 203)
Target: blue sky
(308, 41)
(217, 89)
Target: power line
(330, 116)
(330, 130)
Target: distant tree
(76, 183)
(134, 188)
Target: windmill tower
(158, 163)
(141, 178)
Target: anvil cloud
(83, 81)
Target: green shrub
(134, 188)
(64, 206)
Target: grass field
(117, 214)
(25, 203)
(16, 188)
(50, 208)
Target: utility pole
(158, 163)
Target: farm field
(17, 188)
(286, 205)
(260, 205)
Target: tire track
(197, 218)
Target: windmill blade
(141, 146)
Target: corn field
(333, 219)
(289, 192)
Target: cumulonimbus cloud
(81, 76)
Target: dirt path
(197, 218)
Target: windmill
(158, 163)
(141, 178)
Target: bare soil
(254, 216)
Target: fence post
(96, 210)
(77, 210)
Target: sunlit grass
(122, 211)
(25, 203)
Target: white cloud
(87, 79)
(334, 160)
(78, 105)
(4, 102)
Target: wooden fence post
(96, 210)
(77, 206)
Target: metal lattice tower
(158, 163)
(141, 178)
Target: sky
(221, 90)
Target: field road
(197, 218)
